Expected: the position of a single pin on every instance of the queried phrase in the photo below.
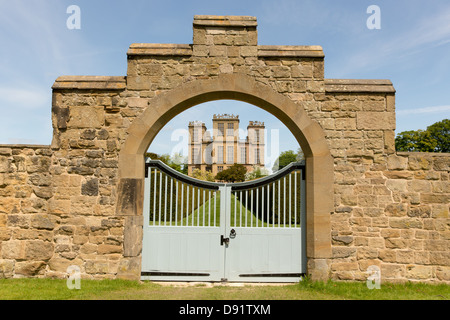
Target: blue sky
(412, 49)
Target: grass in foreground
(48, 289)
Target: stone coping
(225, 21)
(90, 82)
(25, 146)
(417, 153)
(160, 49)
(167, 49)
(290, 51)
(358, 86)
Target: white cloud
(24, 98)
(425, 110)
(425, 34)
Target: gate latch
(224, 240)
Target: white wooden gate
(202, 231)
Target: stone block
(421, 186)
(13, 249)
(429, 198)
(38, 250)
(440, 211)
(6, 268)
(396, 209)
(86, 117)
(281, 72)
(343, 252)
(406, 223)
(109, 249)
(303, 70)
(423, 211)
(129, 269)
(395, 162)
(130, 201)
(418, 272)
(59, 207)
(96, 267)
(133, 234)
(43, 221)
(443, 273)
(345, 124)
(369, 120)
(392, 271)
(90, 188)
(139, 82)
(30, 268)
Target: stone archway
(162, 108)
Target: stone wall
(79, 201)
(395, 215)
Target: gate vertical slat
(262, 207)
(215, 206)
(284, 201)
(246, 206)
(194, 192)
(273, 205)
(198, 205)
(235, 208)
(204, 202)
(182, 202)
(154, 198)
(257, 216)
(160, 194)
(147, 207)
(295, 198)
(171, 200)
(165, 199)
(268, 197)
(251, 208)
(240, 209)
(290, 199)
(279, 203)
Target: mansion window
(230, 129)
(230, 154)
(220, 129)
(244, 155)
(220, 154)
(257, 156)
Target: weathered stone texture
(411, 240)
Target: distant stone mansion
(218, 152)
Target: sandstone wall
(65, 204)
(394, 215)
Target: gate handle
(232, 233)
(224, 240)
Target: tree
(436, 138)
(176, 162)
(440, 131)
(256, 173)
(203, 175)
(300, 155)
(284, 159)
(235, 173)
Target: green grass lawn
(50, 289)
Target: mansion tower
(224, 148)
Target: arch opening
(310, 136)
(213, 136)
